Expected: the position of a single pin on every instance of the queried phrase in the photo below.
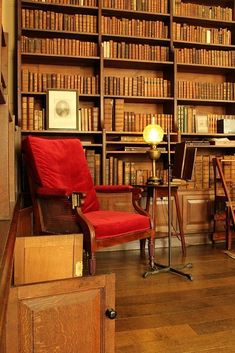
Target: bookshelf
(130, 61)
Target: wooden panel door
(66, 316)
(196, 212)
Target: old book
(201, 123)
(95, 118)
(30, 113)
(119, 114)
(25, 80)
(111, 161)
(120, 172)
(108, 114)
(97, 168)
(90, 156)
(24, 122)
(205, 171)
(127, 172)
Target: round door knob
(111, 313)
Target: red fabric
(115, 223)
(44, 191)
(60, 164)
(113, 188)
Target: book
(201, 123)
(108, 114)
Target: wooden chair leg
(142, 245)
(92, 264)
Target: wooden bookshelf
(130, 61)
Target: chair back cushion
(60, 164)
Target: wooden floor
(168, 313)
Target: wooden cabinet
(197, 212)
(44, 258)
(130, 62)
(50, 309)
(63, 316)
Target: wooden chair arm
(136, 197)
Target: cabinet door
(66, 316)
(196, 212)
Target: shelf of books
(131, 61)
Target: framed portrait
(62, 109)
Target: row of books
(205, 57)
(122, 172)
(127, 172)
(134, 27)
(58, 46)
(191, 121)
(182, 8)
(33, 115)
(94, 164)
(141, 86)
(58, 21)
(135, 122)
(203, 177)
(88, 119)
(117, 119)
(206, 90)
(41, 82)
(70, 2)
(134, 51)
(155, 6)
(192, 33)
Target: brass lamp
(153, 134)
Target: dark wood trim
(6, 264)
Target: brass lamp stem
(154, 155)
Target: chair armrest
(113, 188)
(77, 198)
(45, 191)
(48, 192)
(136, 198)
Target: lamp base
(154, 181)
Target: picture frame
(62, 109)
(201, 123)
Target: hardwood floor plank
(166, 313)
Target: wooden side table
(160, 191)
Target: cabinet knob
(111, 313)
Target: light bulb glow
(153, 134)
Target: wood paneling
(196, 212)
(64, 316)
(46, 258)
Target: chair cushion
(60, 164)
(115, 223)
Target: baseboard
(191, 239)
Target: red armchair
(64, 199)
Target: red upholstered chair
(59, 178)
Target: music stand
(182, 168)
(184, 160)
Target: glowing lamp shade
(153, 134)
